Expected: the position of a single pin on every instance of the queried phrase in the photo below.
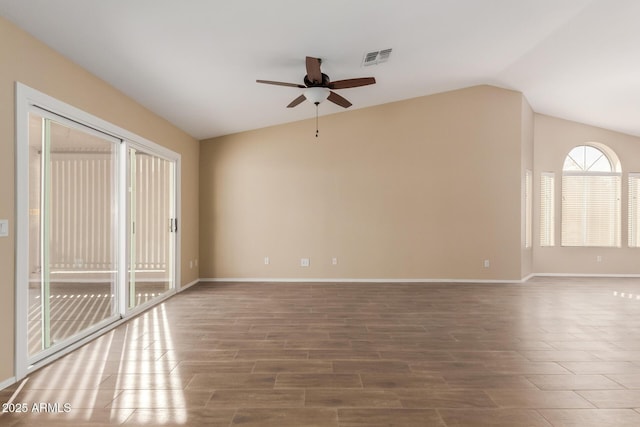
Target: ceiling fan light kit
(316, 94)
(319, 87)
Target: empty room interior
(250, 213)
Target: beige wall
(29, 61)
(425, 188)
(554, 138)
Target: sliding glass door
(152, 224)
(72, 231)
(100, 236)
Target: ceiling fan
(319, 87)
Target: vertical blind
(591, 209)
(82, 214)
(153, 202)
(81, 211)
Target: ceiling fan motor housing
(325, 81)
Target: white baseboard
(585, 275)
(350, 280)
(188, 285)
(525, 279)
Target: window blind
(547, 209)
(591, 209)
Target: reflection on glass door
(152, 227)
(72, 239)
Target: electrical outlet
(266, 260)
(599, 258)
(334, 261)
(486, 263)
(305, 262)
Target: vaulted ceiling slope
(195, 62)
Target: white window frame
(634, 210)
(615, 172)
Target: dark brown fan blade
(296, 101)
(269, 82)
(313, 70)
(345, 84)
(337, 99)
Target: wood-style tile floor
(551, 352)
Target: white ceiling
(195, 62)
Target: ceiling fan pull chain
(317, 103)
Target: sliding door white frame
(168, 155)
(28, 99)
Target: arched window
(591, 197)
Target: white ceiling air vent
(376, 57)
